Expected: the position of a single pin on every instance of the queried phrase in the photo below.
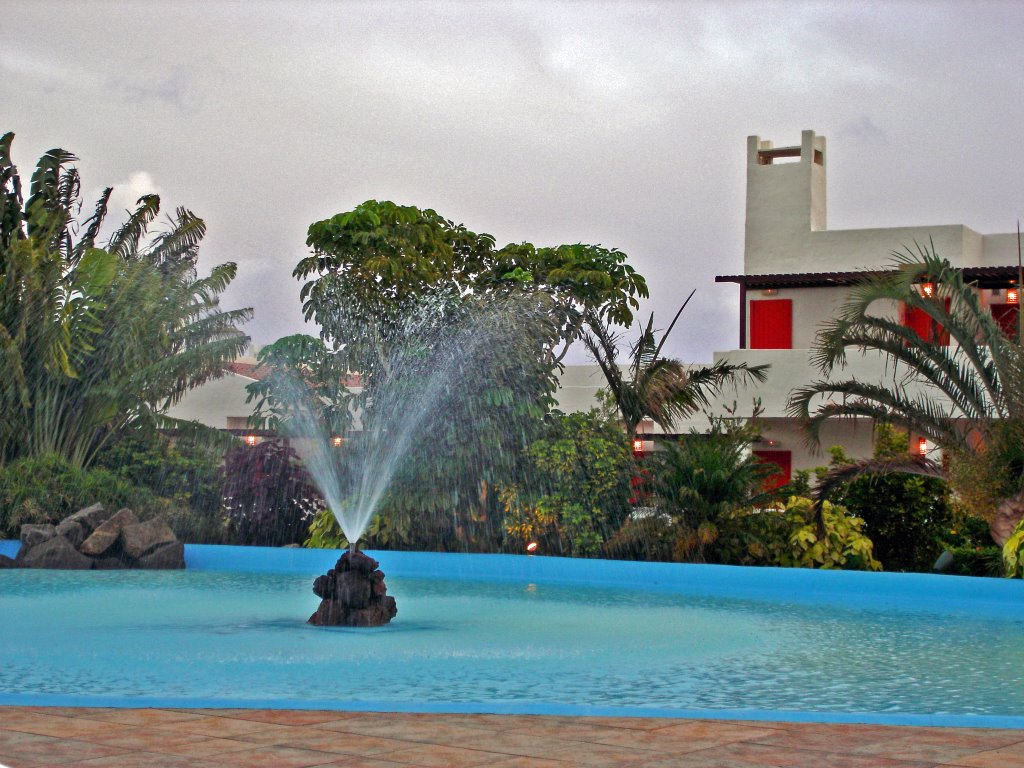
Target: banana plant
(96, 337)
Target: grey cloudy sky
(615, 123)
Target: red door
(771, 324)
(783, 460)
(1006, 316)
(918, 321)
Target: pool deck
(34, 737)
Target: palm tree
(657, 387)
(94, 339)
(960, 387)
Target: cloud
(863, 128)
(614, 123)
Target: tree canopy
(370, 263)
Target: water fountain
(430, 356)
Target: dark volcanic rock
(142, 538)
(94, 539)
(73, 531)
(104, 537)
(168, 556)
(56, 553)
(36, 533)
(353, 594)
(90, 518)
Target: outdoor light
(531, 548)
(922, 446)
(250, 440)
(770, 292)
(1011, 295)
(771, 443)
(336, 442)
(928, 289)
(638, 445)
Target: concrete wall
(785, 199)
(215, 401)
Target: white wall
(215, 401)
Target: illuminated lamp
(250, 440)
(928, 289)
(1011, 295)
(531, 548)
(638, 445)
(770, 292)
(336, 442)
(922, 446)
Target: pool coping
(983, 597)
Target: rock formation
(353, 594)
(93, 538)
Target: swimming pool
(494, 633)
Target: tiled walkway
(136, 738)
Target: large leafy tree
(965, 393)
(96, 337)
(431, 313)
(658, 387)
(370, 264)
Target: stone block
(142, 538)
(72, 530)
(107, 535)
(56, 553)
(36, 533)
(165, 557)
(90, 518)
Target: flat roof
(985, 277)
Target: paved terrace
(33, 737)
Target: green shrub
(577, 493)
(46, 489)
(185, 471)
(790, 538)
(979, 560)
(905, 516)
(1013, 553)
(700, 481)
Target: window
(771, 324)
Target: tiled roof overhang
(985, 277)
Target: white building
(796, 273)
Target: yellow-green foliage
(1013, 553)
(790, 537)
(325, 533)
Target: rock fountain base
(353, 594)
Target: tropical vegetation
(961, 385)
(654, 386)
(906, 516)
(575, 493)
(98, 336)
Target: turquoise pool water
(523, 640)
